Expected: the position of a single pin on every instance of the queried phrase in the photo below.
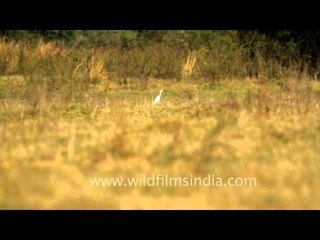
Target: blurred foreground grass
(51, 146)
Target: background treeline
(166, 54)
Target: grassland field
(51, 146)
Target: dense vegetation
(218, 54)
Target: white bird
(157, 99)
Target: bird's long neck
(160, 93)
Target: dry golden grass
(188, 66)
(9, 55)
(53, 140)
(232, 128)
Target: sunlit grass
(51, 146)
